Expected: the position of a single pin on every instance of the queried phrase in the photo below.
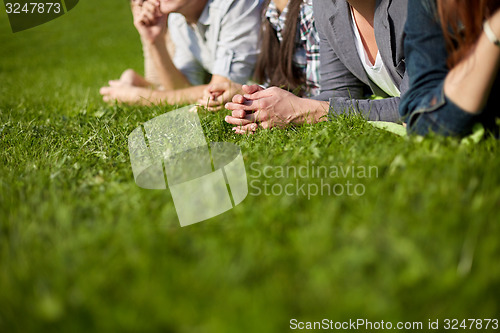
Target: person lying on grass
(453, 59)
(215, 41)
(361, 54)
(289, 53)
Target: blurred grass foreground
(83, 249)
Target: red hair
(462, 24)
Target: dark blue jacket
(426, 58)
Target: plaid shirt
(306, 54)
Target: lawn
(84, 249)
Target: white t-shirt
(376, 72)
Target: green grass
(83, 249)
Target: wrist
(317, 110)
(494, 21)
(156, 43)
(491, 34)
(160, 41)
(312, 111)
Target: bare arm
(468, 85)
(152, 26)
(169, 76)
(150, 72)
(177, 96)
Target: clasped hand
(266, 108)
(149, 20)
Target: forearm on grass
(168, 75)
(178, 96)
(375, 110)
(150, 72)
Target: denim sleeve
(237, 46)
(426, 57)
(438, 114)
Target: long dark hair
(275, 61)
(462, 24)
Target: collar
(205, 14)
(276, 19)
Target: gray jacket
(344, 81)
